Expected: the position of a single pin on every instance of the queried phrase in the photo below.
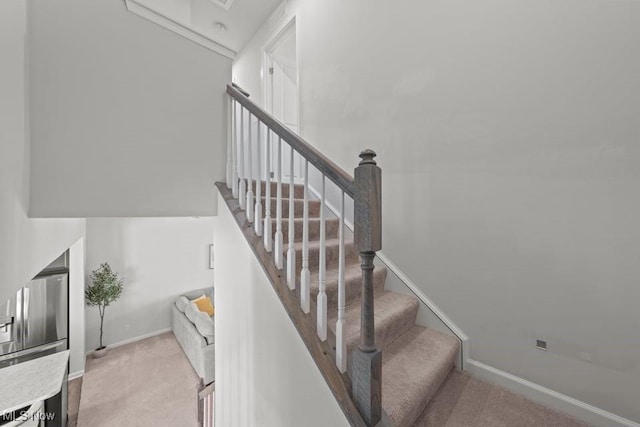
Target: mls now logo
(25, 415)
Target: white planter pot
(98, 353)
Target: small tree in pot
(106, 287)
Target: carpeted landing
(145, 383)
(464, 401)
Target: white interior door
(282, 92)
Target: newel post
(367, 359)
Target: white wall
(160, 258)
(507, 137)
(264, 373)
(77, 255)
(26, 245)
(127, 117)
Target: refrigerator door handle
(25, 316)
(19, 319)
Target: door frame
(267, 80)
(267, 61)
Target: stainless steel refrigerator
(34, 323)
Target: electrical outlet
(541, 345)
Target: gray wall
(508, 139)
(127, 117)
(26, 245)
(159, 258)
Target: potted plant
(106, 287)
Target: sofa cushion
(204, 325)
(182, 303)
(191, 311)
(204, 304)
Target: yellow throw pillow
(204, 304)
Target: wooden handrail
(242, 91)
(206, 390)
(332, 171)
(365, 188)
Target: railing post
(250, 200)
(242, 188)
(229, 176)
(366, 368)
(291, 252)
(279, 239)
(257, 215)
(322, 288)
(267, 229)
(305, 274)
(234, 149)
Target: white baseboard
(134, 339)
(552, 399)
(75, 375)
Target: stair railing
(365, 190)
(205, 404)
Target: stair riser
(385, 334)
(298, 191)
(353, 289)
(331, 229)
(332, 257)
(298, 208)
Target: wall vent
(225, 4)
(541, 345)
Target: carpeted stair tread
(353, 284)
(332, 251)
(331, 228)
(394, 314)
(298, 191)
(414, 366)
(298, 208)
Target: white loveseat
(194, 332)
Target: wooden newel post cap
(367, 157)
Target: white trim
(225, 6)
(134, 339)
(548, 397)
(267, 61)
(168, 23)
(455, 330)
(464, 338)
(75, 375)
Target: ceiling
(241, 21)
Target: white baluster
(268, 227)
(291, 252)
(322, 284)
(234, 130)
(258, 210)
(229, 176)
(305, 274)
(341, 342)
(242, 191)
(279, 248)
(249, 175)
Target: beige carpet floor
(146, 383)
(73, 401)
(464, 401)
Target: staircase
(415, 360)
